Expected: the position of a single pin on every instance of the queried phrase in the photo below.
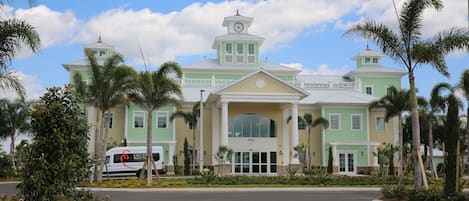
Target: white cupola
(368, 58)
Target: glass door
(347, 163)
(255, 162)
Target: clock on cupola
(237, 46)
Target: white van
(124, 161)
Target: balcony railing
(301, 84)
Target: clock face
(238, 27)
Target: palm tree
(310, 123)
(152, 91)
(14, 34)
(191, 119)
(463, 85)
(110, 81)
(408, 48)
(451, 105)
(395, 103)
(14, 117)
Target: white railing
(301, 84)
(203, 82)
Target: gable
(261, 83)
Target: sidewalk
(219, 189)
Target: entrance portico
(253, 115)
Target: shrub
(399, 192)
(208, 176)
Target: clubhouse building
(247, 103)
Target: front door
(347, 163)
(255, 162)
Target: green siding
(85, 74)
(380, 84)
(287, 78)
(345, 134)
(197, 76)
(362, 160)
(164, 134)
(228, 76)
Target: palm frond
(16, 33)
(452, 39)
(9, 81)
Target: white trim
(323, 138)
(157, 118)
(174, 125)
(133, 118)
(372, 90)
(351, 122)
(156, 141)
(339, 124)
(376, 125)
(355, 162)
(355, 143)
(126, 124)
(112, 119)
(260, 98)
(368, 135)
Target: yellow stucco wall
(375, 136)
(116, 133)
(269, 86)
(315, 136)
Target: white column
(201, 141)
(172, 150)
(294, 137)
(286, 149)
(224, 124)
(215, 131)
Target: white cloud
(322, 69)
(53, 27)
(191, 31)
(34, 89)
(454, 14)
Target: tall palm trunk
(420, 178)
(96, 145)
(401, 146)
(467, 134)
(193, 150)
(430, 144)
(149, 146)
(309, 149)
(102, 152)
(12, 147)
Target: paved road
(233, 194)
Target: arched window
(251, 125)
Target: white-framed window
(108, 117)
(251, 53)
(369, 90)
(102, 53)
(138, 118)
(375, 60)
(239, 53)
(356, 121)
(388, 90)
(162, 119)
(380, 124)
(367, 60)
(334, 120)
(229, 52)
(301, 124)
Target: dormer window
(367, 60)
(239, 51)
(228, 53)
(251, 54)
(102, 53)
(375, 60)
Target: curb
(232, 189)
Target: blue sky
(304, 34)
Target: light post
(201, 138)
